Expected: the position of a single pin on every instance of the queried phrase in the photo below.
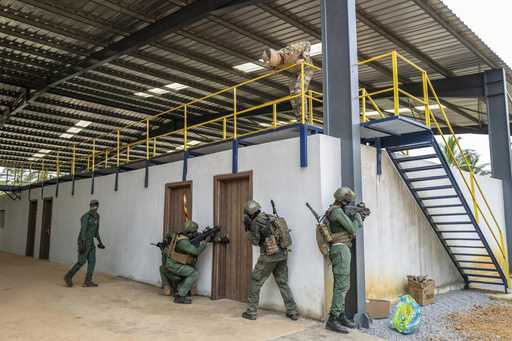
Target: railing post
(127, 153)
(363, 105)
(93, 155)
(302, 95)
(473, 195)
(106, 158)
(154, 147)
(235, 135)
(147, 139)
(117, 148)
(425, 98)
(274, 116)
(73, 161)
(224, 128)
(396, 94)
(185, 127)
(310, 107)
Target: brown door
(232, 263)
(31, 231)
(46, 229)
(176, 194)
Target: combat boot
(248, 316)
(89, 283)
(182, 300)
(344, 321)
(292, 316)
(68, 280)
(334, 325)
(165, 291)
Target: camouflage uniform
(187, 274)
(169, 280)
(90, 224)
(266, 265)
(290, 54)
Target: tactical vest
(338, 237)
(176, 256)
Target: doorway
(31, 230)
(232, 263)
(178, 195)
(46, 229)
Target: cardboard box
(422, 292)
(378, 309)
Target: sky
(488, 19)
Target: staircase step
(471, 254)
(447, 214)
(483, 282)
(417, 158)
(472, 239)
(478, 269)
(466, 246)
(443, 206)
(428, 178)
(453, 223)
(433, 188)
(422, 168)
(484, 276)
(474, 261)
(410, 147)
(457, 231)
(436, 197)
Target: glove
(247, 222)
(101, 246)
(266, 231)
(82, 247)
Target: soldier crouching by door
(181, 261)
(89, 229)
(273, 259)
(344, 220)
(295, 53)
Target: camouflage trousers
(295, 89)
(188, 275)
(90, 257)
(340, 259)
(261, 272)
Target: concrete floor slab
(35, 305)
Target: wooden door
(46, 229)
(174, 217)
(232, 263)
(31, 230)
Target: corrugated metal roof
(44, 40)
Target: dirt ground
(491, 322)
(35, 305)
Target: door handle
(48, 231)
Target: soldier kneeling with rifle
(181, 257)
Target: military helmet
(94, 202)
(344, 193)
(191, 226)
(251, 207)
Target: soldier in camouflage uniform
(169, 280)
(181, 267)
(343, 228)
(90, 224)
(295, 53)
(257, 225)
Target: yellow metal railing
(428, 100)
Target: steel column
(499, 140)
(341, 117)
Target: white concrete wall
(399, 241)
(13, 237)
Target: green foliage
(455, 157)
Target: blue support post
(146, 175)
(116, 182)
(234, 160)
(303, 135)
(73, 186)
(378, 146)
(185, 166)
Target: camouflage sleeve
(254, 234)
(185, 246)
(350, 225)
(98, 232)
(83, 227)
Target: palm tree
(455, 157)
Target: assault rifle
(210, 234)
(315, 214)
(162, 245)
(354, 208)
(274, 211)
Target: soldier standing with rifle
(271, 234)
(344, 220)
(90, 224)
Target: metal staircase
(423, 167)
